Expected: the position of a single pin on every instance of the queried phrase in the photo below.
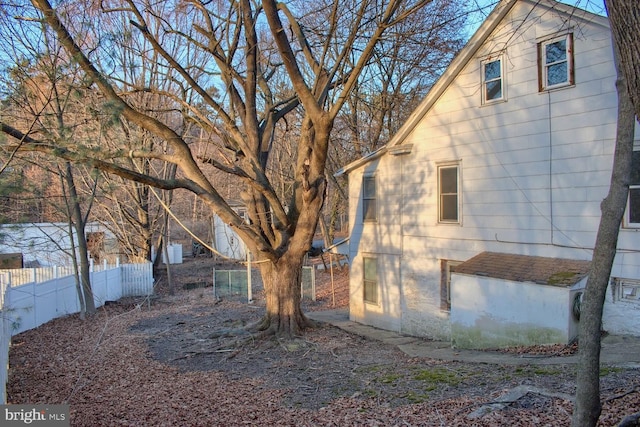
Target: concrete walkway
(622, 351)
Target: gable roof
(467, 53)
(524, 268)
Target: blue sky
(595, 6)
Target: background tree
(249, 49)
(405, 65)
(45, 97)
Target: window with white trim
(492, 80)
(632, 215)
(555, 62)
(370, 279)
(448, 193)
(369, 208)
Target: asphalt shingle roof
(525, 268)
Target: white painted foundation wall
(495, 313)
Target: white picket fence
(5, 341)
(27, 305)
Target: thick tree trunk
(588, 407)
(282, 280)
(624, 19)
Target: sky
(595, 6)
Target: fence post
(215, 297)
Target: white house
(226, 241)
(49, 243)
(509, 153)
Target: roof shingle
(525, 268)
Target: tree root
(270, 327)
(631, 421)
(626, 393)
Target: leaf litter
(181, 361)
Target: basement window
(626, 289)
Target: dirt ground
(175, 361)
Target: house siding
(533, 172)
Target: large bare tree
(261, 61)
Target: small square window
(370, 280)
(555, 62)
(492, 81)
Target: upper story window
(492, 80)
(555, 62)
(632, 217)
(448, 193)
(369, 208)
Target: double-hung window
(448, 193)
(370, 280)
(632, 217)
(492, 80)
(369, 208)
(555, 62)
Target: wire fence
(241, 284)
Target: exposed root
(630, 421)
(226, 333)
(274, 326)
